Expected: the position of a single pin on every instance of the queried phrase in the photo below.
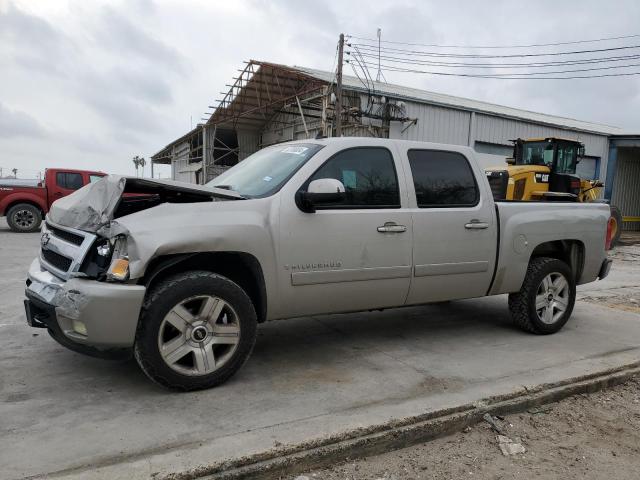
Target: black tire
(522, 305)
(162, 299)
(616, 214)
(24, 218)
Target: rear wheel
(24, 218)
(545, 302)
(197, 329)
(616, 225)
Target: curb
(394, 435)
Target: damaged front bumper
(83, 315)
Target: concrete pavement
(308, 378)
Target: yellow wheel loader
(544, 169)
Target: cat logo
(542, 178)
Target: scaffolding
(269, 103)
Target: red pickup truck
(25, 206)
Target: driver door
(352, 255)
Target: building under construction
(269, 103)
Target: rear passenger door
(454, 231)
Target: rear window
(442, 179)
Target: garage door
(626, 194)
(587, 168)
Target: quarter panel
(525, 225)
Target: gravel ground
(626, 297)
(583, 437)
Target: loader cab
(559, 156)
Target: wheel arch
(239, 267)
(571, 252)
(12, 202)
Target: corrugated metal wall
(435, 124)
(626, 187)
(182, 169)
(248, 143)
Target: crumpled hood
(94, 206)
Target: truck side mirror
(323, 191)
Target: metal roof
(425, 96)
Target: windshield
(537, 153)
(567, 158)
(263, 173)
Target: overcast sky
(90, 84)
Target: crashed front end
(64, 294)
(79, 287)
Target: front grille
(498, 181)
(63, 249)
(65, 235)
(56, 260)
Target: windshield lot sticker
(349, 178)
(295, 150)
(267, 178)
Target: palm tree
(139, 162)
(15, 172)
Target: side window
(369, 177)
(61, 179)
(442, 179)
(94, 178)
(74, 181)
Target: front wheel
(196, 330)
(24, 218)
(545, 302)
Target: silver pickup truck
(181, 275)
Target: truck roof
(370, 141)
(74, 170)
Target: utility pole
(379, 70)
(338, 113)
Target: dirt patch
(587, 436)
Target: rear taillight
(607, 240)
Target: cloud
(94, 83)
(33, 43)
(122, 37)
(14, 123)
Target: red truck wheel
(24, 218)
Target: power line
(585, 61)
(575, 42)
(374, 49)
(511, 76)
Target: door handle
(392, 227)
(476, 225)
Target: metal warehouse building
(271, 103)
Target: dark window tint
(72, 181)
(368, 175)
(442, 179)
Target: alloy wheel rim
(552, 298)
(24, 218)
(199, 335)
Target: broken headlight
(119, 267)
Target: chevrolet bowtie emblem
(44, 240)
